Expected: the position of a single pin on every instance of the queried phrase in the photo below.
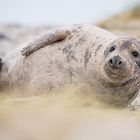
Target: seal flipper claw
(48, 38)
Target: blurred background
(56, 12)
(69, 115)
(20, 21)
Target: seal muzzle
(115, 62)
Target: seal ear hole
(135, 53)
(112, 48)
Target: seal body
(83, 55)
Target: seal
(77, 54)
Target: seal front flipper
(135, 104)
(52, 36)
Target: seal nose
(115, 62)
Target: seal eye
(112, 48)
(135, 53)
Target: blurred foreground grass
(67, 115)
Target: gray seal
(77, 54)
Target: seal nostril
(111, 61)
(120, 63)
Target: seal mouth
(114, 74)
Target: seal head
(122, 60)
(121, 68)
